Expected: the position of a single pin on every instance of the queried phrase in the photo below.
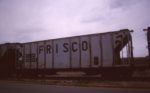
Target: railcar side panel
(61, 53)
(33, 55)
(41, 55)
(19, 57)
(27, 56)
(96, 51)
(107, 50)
(49, 54)
(75, 52)
(85, 51)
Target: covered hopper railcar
(93, 54)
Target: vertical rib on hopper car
(95, 52)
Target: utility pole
(148, 41)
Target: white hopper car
(93, 54)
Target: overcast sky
(32, 20)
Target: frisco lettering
(74, 47)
